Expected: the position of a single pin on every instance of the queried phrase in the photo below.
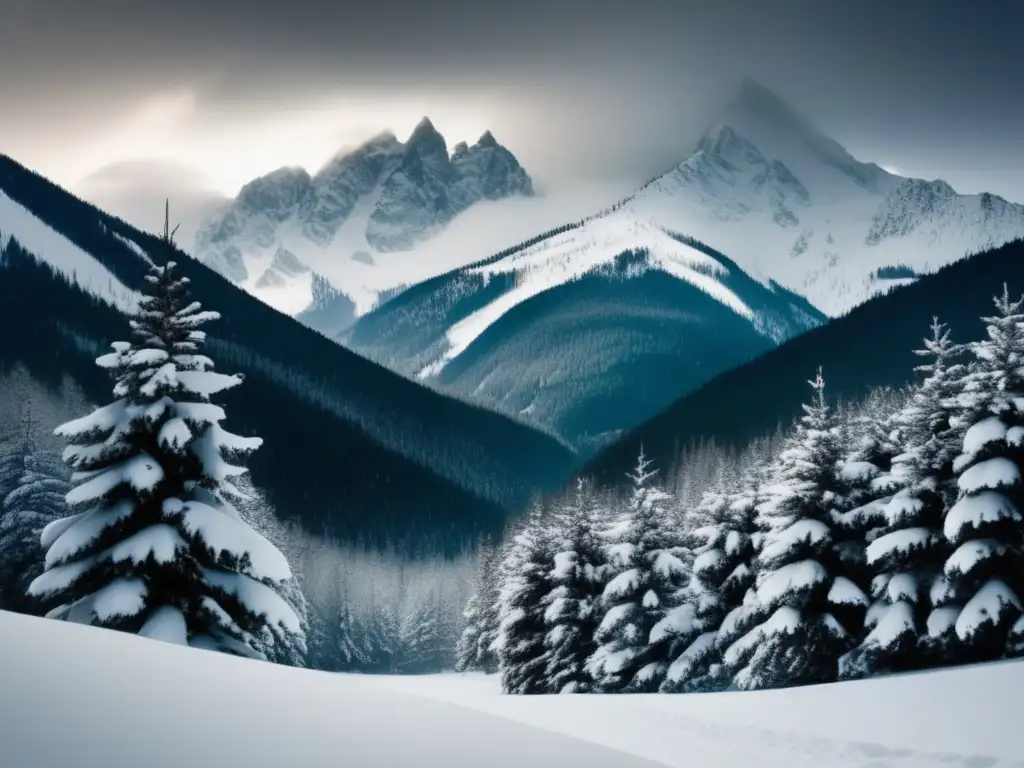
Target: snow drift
(90, 707)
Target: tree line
(871, 539)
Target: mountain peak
(486, 140)
(424, 128)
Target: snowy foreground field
(79, 696)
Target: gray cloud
(578, 89)
(136, 191)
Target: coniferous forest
(873, 537)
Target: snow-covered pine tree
(648, 576)
(802, 598)
(722, 575)
(154, 545)
(526, 579)
(34, 499)
(573, 605)
(981, 601)
(474, 651)
(907, 549)
(869, 441)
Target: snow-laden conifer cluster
(881, 537)
(154, 544)
(33, 483)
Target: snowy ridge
(573, 254)
(54, 249)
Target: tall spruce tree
(869, 442)
(647, 578)
(722, 575)
(573, 605)
(804, 612)
(526, 579)
(154, 545)
(981, 599)
(907, 549)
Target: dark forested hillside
(590, 356)
(350, 446)
(871, 346)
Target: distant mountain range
(763, 231)
(350, 447)
(383, 197)
(761, 185)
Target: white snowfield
(72, 262)
(81, 697)
(74, 696)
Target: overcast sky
(589, 91)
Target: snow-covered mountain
(587, 330)
(386, 196)
(789, 204)
(377, 449)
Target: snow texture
(898, 541)
(986, 606)
(897, 620)
(986, 507)
(845, 592)
(790, 578)
(992, 473)
(803, 530)
(971, 553)
(221, 532)
(785, 620)
(256, 597)
(986, 431)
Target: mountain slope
(790, 204)
(588, 329)
(384, 196)
(871, 346)
(350, 445)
